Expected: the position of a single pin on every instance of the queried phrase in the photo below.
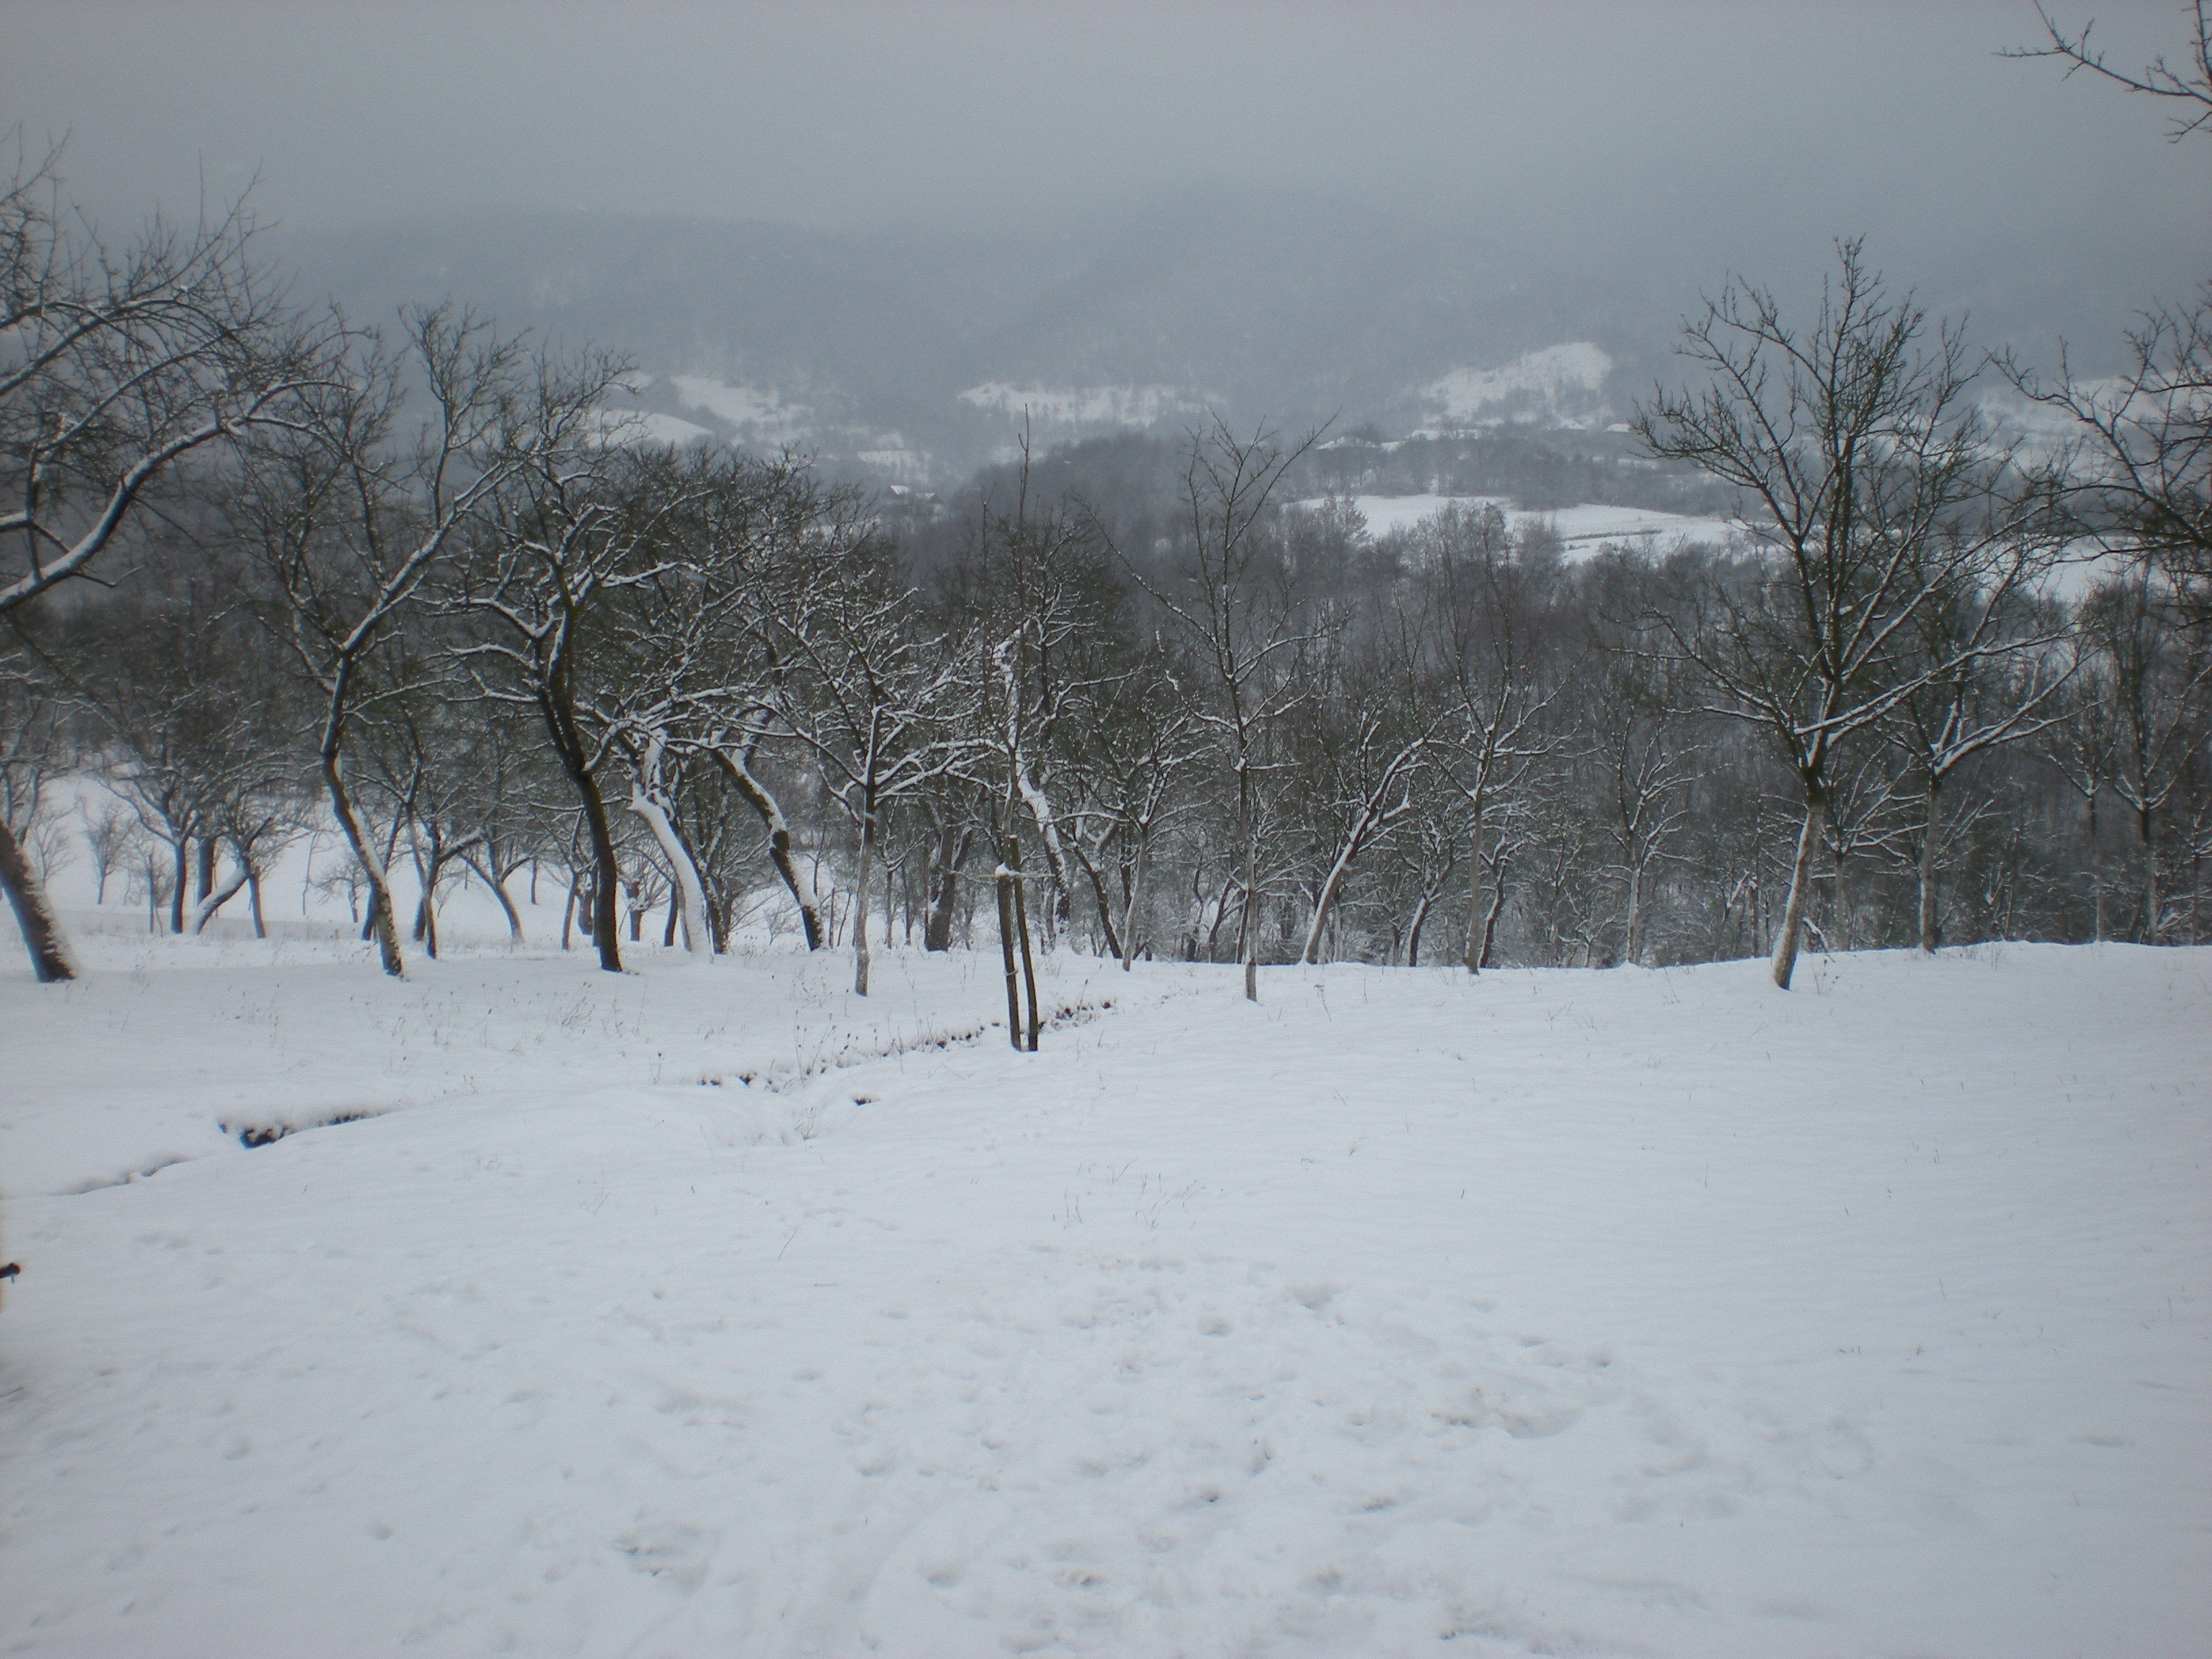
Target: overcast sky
(1746, 132)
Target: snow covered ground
(1555, 1312)
(1582, 530)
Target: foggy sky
(1692, 135)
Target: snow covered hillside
(710, 1310)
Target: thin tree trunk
(1005, 882)
(1497, 908)
(944, 894)
(1309, 954)
(1472, 955)
(203, 877)
(861, 892)
(1251, 886)
(2150, 877)
(1129, 951)
(1414, 929)
(1021, 931)
(1801, 883)
(1927, 940)
(378, 921)
(50, 962)
(2096, 871)
(253, 902)
(1629, 922)
(176, 887)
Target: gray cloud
(1685, 137)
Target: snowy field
(1582, 530)
(710, 1310)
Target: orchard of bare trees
(416, 590)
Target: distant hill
(914, 357)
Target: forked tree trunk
(50, 963)
(1927, 940)
(1801, 884)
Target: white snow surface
(1583, 529)
(1545, 381)
(1611, 1312)
(1087, 405)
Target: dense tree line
(272, 571)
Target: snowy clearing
(1581, 530)
(1556, 1312)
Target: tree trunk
(203, 876)
(1005, 882)
(1472, 955)
(177, 886)
(2096, 871)
(505, 904)
(205, 911)
(1251, 827)
(1927, 940)
(690, 893)
(1628, 923)
(2150, 877)
(739, 769)
(1136, 892)
(1801, 883)
(50, 963)
(1414, 929)
(945, 887)
(380, 922)
(861, 892)
(1022, 933)
(253, 902)
(1490, 916)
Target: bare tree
(1875, 487)
(351, 513)
(2157, 678)
(887, 711)
(2186, 89)
(1475, 597)
(1236, 607)
(116, 364)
